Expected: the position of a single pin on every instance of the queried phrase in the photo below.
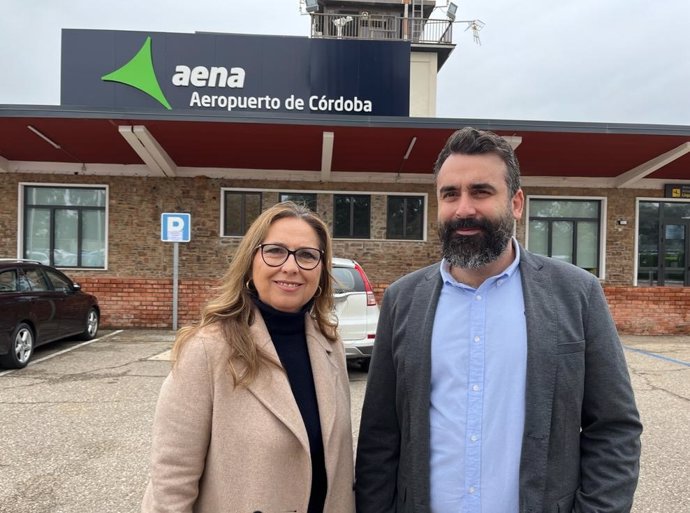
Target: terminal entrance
(673, 247)
(664, 244)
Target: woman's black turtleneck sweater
(288, 334)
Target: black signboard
(234, 73)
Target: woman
(255, 415)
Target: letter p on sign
(176, 227)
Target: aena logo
(139, 73)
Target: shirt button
(477, 339)
(471, 489)
(475, 388)
(478, 297)
(474, 438)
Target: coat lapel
(326, 377)
(272, 388)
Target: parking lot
(75, 424)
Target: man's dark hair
(470, 141)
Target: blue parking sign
(176, 227)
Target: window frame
(21, 219)
(351, 236)
(603, 210)
(425, 209)
(232, 190)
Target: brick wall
(147, 303)
(8, 215)
(650, 310)
(135, 290)
(132, 302)
(135, 205)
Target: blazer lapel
(272, 388)
(421, 325)
(326, 377)
(541, 322)
(417, 372)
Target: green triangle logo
(139, 73)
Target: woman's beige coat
(220, 449)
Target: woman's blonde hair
(233, 309)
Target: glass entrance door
(674, 246)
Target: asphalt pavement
(75, 424)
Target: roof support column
(327, 156)
(148, 149)
(513, 140)
(630, 177)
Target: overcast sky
(618, 61)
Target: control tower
(431, 39)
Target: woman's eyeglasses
(275, 255)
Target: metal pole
(176, 258)
(405, 21)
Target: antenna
(475, 26)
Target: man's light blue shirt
(477, 411)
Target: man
(498, 383)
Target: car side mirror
(76, 287)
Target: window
(301, 198)
(36, 280)
(65, 226)
(8, 281)
(240, 209)
(351, 216)
(567, 230)
(59, 283)
(405, 217)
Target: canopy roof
(328, 144)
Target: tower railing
(385, 27)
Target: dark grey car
(39, 304)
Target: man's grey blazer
(581, 443)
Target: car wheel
(91, 328)
(21, 349)
(364, 364)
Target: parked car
(40, 304)
(356, 309)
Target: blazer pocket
(565, 505)
(570, 347)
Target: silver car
(356, 309)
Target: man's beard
(475, 251)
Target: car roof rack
(28, 260)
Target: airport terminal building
(222, 126)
